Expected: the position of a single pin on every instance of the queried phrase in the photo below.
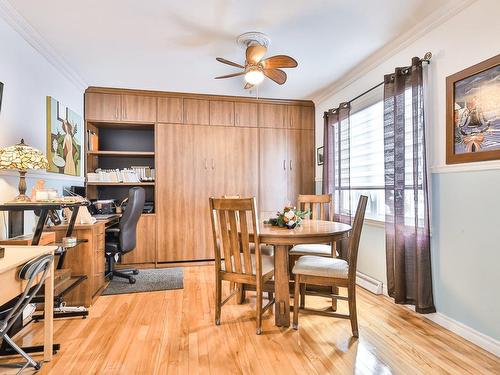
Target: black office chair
(122, 239)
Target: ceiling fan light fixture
(254, 77)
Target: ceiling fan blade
(248, 86)
(224, 61)
(279, 61)
(278, 76)
(231, 75)
(255, 53)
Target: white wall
(28, 78)
(465, 206)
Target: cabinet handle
(206, 166)
(236, 119)
(116, 113)
(284, 165)
(290, 164)
(213, 164)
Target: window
(363, 171)
(366, 162)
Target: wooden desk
(310, 231)
(12, 286)
(86, 259)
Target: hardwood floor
(172, 332)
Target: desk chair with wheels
(122, 239)
(31, 273)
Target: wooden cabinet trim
(109, 90)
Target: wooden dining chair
(264, 250)
(321, 208)
(331, 272)
(234, 262)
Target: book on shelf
(92, 141)
(113, 175)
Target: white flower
(290, 214)
(291, 222)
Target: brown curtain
(406, 194)
(336, 165)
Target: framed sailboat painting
(473, 113)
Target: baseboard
(369, 283)
(470, 334)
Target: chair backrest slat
(317, 204)
(224, 243)
(234, 242)
(357, 226)
(245, 241)
(230, 222)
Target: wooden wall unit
(208, 145)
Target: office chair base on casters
(124, 274)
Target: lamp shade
(22, 157)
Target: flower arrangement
(289, 218)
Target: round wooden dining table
(309, 231)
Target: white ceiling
(172, 45)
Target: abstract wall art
(64, 138)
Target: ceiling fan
(257, 67)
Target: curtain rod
(427, 59)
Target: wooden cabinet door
(246, 114)
(175, 191)
(102, 107)
(272, 170)
(294, 113)
(209, 181)
(139, 108)
(221, 113)
(300, 163)
(242, 162)
(145, 250)
(196, 112)
(300, 117)
(170, 110)
(307, 118)
(272, 116)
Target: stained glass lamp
(22, 157)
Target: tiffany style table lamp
(22, 157)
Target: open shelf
(125, 154)
(103, 183)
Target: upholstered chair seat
(312, 249)
(321, 266)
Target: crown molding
(437, 18)
(30, 35)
